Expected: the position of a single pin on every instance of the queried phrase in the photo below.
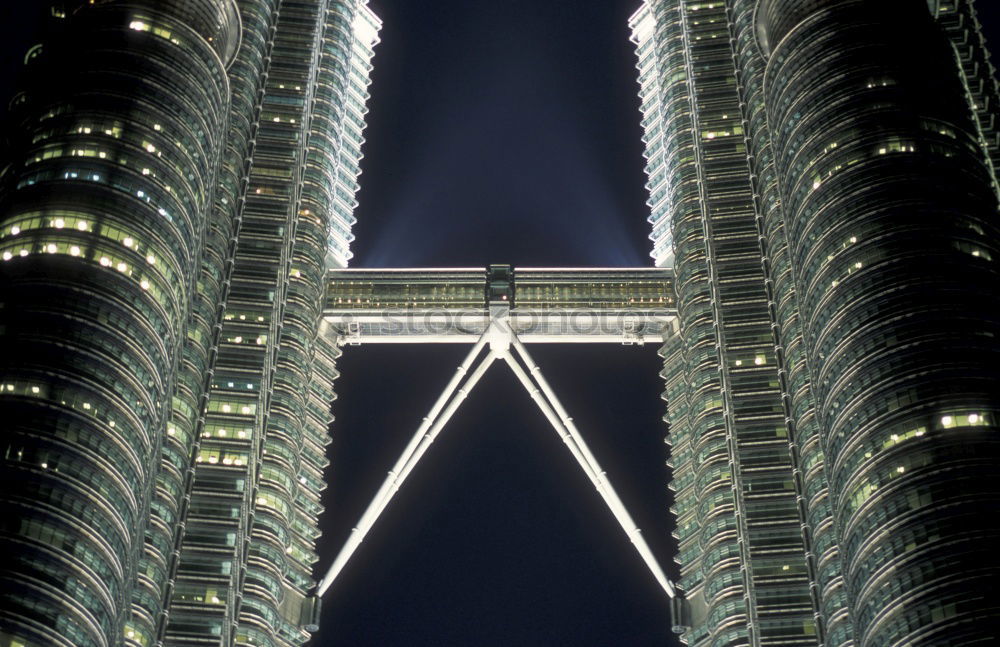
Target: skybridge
(499, 310)
(545, 305)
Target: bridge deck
(585, 305)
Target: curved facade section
(669, 149)
(102, 227)
(171, 504)
(833, 626)
(891, 224)
(776, 18)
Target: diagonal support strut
(501, 338)
(442, 411)
(552, 408)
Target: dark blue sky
(503, 132)
(499, 132)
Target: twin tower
(178, 192)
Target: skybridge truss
(499, 311)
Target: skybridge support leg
(546, 399)
(500, 338)
(442, 411)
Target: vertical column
(737, 495)
(246, 557)
(704, 504)
(171, 505)
(231, 483)
(297, 432)
(821, 541)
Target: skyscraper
(182, 175)
(821, 178)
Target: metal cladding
(870, 141)
(103, 225)
(892, 229)
(586, 305)
(823, 556)
(163, 224)
(244, 569)
(175, 220)
(742, 549)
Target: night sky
(499, 132)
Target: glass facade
(529, 288)
(739, 524)
(182, 178)
(176, 214)
(866, 136)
